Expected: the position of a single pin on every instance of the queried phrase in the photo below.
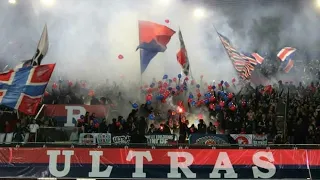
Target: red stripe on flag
(258, 58)
(289, 66)
(285, 52)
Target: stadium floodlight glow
(199, 13)
(48, 3)
(12, 1)
(318, 3)
(163, 2)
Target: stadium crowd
(255, 112)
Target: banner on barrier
(140, 163)
(95, 138)
(259, 139)
(69, 114)
(160, 139)
(121, 139)
(208, 139)
(242, 138)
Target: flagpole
(188, 56)
(5, 68)
(221, 42)
(224, 46)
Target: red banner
(70, 113)
(157, 163)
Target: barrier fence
(63, 152)
(76, 135)
(123, 163)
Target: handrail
(171, 146)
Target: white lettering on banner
(70, 114)
(260, 159)
(223, 163)
(53, 162)
(124, 139)
(175, 164)
(256, 158)
(159, 139)
(139, 162)
(95, 171)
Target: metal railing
(69, 137)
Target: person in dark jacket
(202, 127)
(183, 129)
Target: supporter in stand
(152, 129)
(33, 128)
(211, 129)
(255, 113)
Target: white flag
(42, 48)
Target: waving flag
(41, 52)
(249, 66)
(288, 66)
(22, 89)
(182, 56)
(42, 48)
(285, 52)
(258, 58)
(235, 56)
(286, 56)
(153, 38)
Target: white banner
(95, 138)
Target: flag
(25, 63)
(289, 66)
(153, 38)
(286, 56)
(22, 88)
(258, 58)
(42, 48)
(249, 66)
(249, 58)
(268, 89)
(235, 56)
(182, 56)
(285, 52)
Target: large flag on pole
(249, 67)
(235, 56)
(182, 56)
(42, 49)
(22, 88)
(153, 38)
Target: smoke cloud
(86, 37)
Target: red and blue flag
(182, 56)
(234, 55)
(286, 56)
(258, 57)
(285, 52)
(289, 65)
(22, 89)
(153, 38)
